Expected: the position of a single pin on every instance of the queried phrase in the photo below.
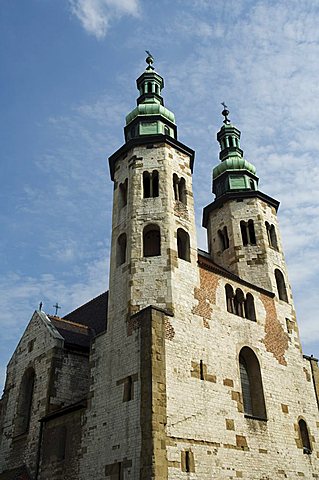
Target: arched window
(150, 184)
(223, 239)
(166, 130)
(24, 406)
(179, 186)
(271, 234)
(121, 249)
(248, 233)
(304, 436)
(250, 312)
(251, 384)
(239, 302)
(149, 87)
(230, 298)
(281, 286)
(151, 241)
(252, 184)
(123, 194)
(183, 248)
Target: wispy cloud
(96, 15)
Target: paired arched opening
(179, 186)
(251, 384)
(248, 233)
(271, 234)
(223, 239)
(151, 241)
(121, 249)
(183, 245)
(281, 286)
(150, 184)
(24, 405)
(240, 305)
(304, 436)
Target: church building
(190, 366)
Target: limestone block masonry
(196, 369)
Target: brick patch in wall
(276, 339)
(206, 294)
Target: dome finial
(149, 60)
(225, 113)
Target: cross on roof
(56, 306)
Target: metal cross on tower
(56, 306)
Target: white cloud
(96, 15)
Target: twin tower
(154, 246)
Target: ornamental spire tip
(149, 60)
(225, 113)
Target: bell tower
(242, 226)
(154, 247)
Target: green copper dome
(150, 117)
(234, 163)
(234, 173)
(150, 109)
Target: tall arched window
(230, 298)
(304, 436)
(281, 286)
(250, 312)
(166, 130)
(24, 405)
(183, 248)
(121, 249)
(151, 241)
(251, 384)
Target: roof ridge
(86, 327)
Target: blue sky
(67, 80)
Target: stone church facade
(190, 366)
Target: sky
(67, 80)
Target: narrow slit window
(123, 194)
(128, 389)
(201, 370)
(121, 250)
